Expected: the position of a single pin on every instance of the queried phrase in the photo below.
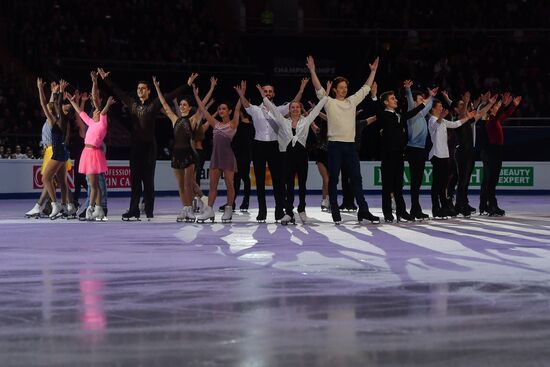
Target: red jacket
(494, 125)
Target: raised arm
(279, 118)
(310, 63)
(42, 96)
(316, 110)
(110, 101)
(176, 106)
(82, 106)
(123, 96)
(303, 84)
(95, 91)
(455, 124)
(209, 118)
(407, 115)
(360, 95)
(82, 116)
(509, 109)
(213, 83)
(54, 88)
(445, 95)
(429, 102)
(63, 84)
(321, 114)
(410, 100)
(236, 115)
(241, 91)
(156, 105)
(73, 101)
(199, 116)
(486, 109)
(373, 67)
(206, 99)
(171, 115)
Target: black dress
(59, 149)
(183, 154)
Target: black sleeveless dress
(183, 154)
(59, 149)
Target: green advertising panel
(509, 176)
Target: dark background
(458, 46)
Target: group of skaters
(276, 136)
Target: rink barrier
(23, 179)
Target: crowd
(16, 153)
(472, 53)
(182, 31)
(469, 14)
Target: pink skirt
(92, 161)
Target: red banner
(118, 177)
(37, 178)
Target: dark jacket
(393, 129)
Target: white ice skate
(207, 214)
(57, 211)
(287, 219)
(34, 212)
(89, 212)
(227, 214)
(303, 217)
(98, 213)
(186, 215)
(71, 211)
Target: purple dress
(222, 154)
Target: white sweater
(341, 114)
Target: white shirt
(438, 133)
(264, 123)
(285, 135)
(341, 114)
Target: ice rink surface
(457, 292)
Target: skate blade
(203, 221)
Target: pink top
(96, 130)
(224, 130)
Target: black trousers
(143, 160)
(452, 174)
(392, 167)
(439, 182)
(268, 153)
(347, 191)
(344, 154)
(465, 159)
(483, 194)
(417, 163)
(296, 164)
(242, 174)
(494, 155)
